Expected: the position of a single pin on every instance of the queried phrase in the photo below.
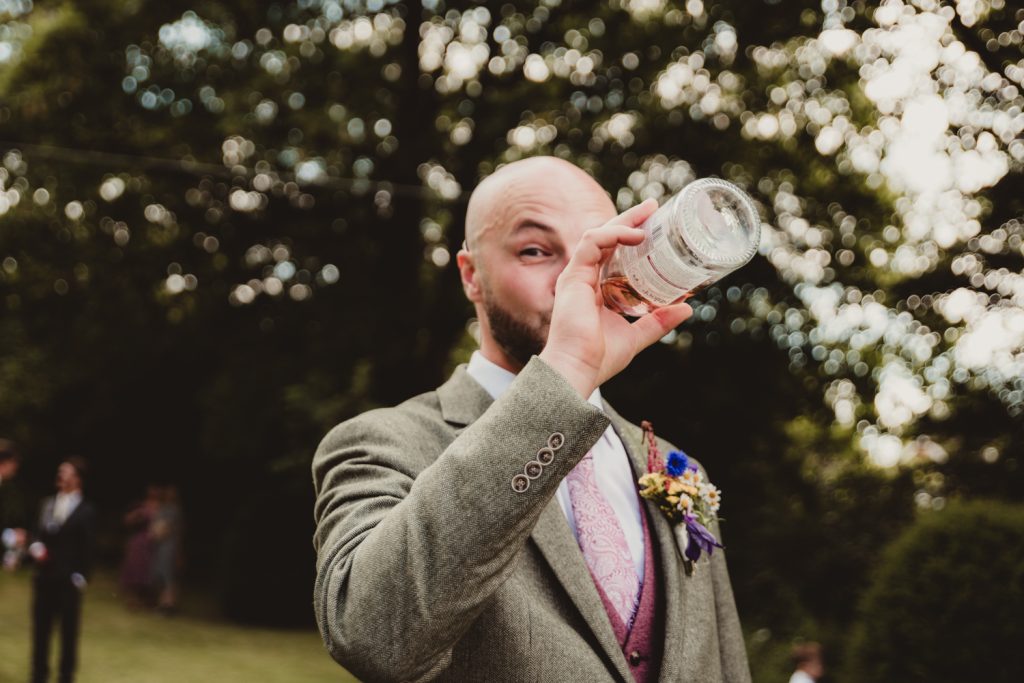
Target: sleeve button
(556, 440)
(546, 456)
(533, 469)
(520, 483)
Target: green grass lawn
(119, 645)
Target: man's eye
(532, 252)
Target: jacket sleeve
(405, 560)
(87, 542)
(40, 520)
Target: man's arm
(36, 548)
(407, 560)
(87, 541)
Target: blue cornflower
(676, 463)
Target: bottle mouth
(722, 225)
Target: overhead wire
(191, 167)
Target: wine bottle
(697, 237)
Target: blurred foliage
(946, 599)
(225, 229)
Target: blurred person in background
(807, 662)
(12, 507)
(62, 549)
(9, 461)
(166, 533)
(137, 567)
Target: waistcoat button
(634, 658)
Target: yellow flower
(652, 483)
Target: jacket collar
(462, 398)
(50, 506)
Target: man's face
(532, 221)
(8, 468)
(815, 668)
(67, 478)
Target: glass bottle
(697, 237)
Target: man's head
(522, 225)
(807, 658)
(70, 475)
(9, 460)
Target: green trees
(946, 600)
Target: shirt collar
(496, 379)
(72, 498)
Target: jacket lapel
(673, 592)
(463, 401)
(47, 522)
(73, 515)
(559, 547)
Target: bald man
(491, 530)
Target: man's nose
(558, 271)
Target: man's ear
(469, 274)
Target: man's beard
(516, 338)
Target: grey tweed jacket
(436, 562)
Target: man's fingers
(639, 213)
(656, 324)
(597, 243)
(594, 247)
(612, 235)
(620, 230)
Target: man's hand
(587, 342)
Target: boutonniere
(679, 489)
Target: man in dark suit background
(62, 550)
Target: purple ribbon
(700, 539)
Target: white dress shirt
(64, 505)
(612, 468)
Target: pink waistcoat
(642, 645)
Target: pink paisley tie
(602, 541)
